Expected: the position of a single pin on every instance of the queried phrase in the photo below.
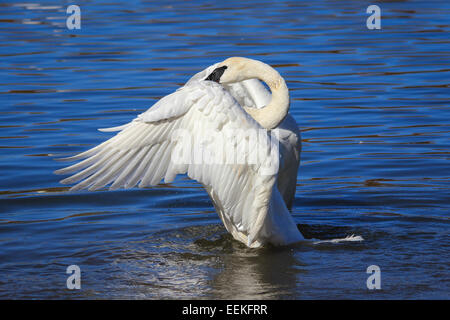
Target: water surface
(373, 107)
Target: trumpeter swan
(226, 110)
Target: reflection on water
(373, 107)
(257, 275)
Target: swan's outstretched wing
(238, 170)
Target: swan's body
(251, 198)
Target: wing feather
(142, 153)
(125, 174)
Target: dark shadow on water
(324, 232)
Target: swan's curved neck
(270, 116)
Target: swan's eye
(216, 74)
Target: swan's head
(235, 69)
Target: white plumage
(250, 197)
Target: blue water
(373, 107)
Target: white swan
(251, 197)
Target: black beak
(216, 74)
